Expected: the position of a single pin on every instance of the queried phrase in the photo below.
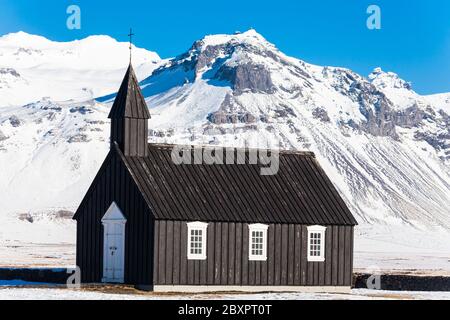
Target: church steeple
(129, 118)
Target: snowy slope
(386, 148)
(440, 101)
(33, 67)
(49, 148)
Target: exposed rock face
(83, 110)
(438, 135)
(341, 80)
(373, 104)
(409, 118)
(207, 56)
(247, 77)
(437, 141)
(9, 71)
(321, 114)
(231, 112)
(284, 111)
(222, 117)
(376, 108)
(15, 121)
(79, 138)
(380, 122)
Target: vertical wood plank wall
(115, 184)
(131, 136)
(227, 257)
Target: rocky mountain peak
(236, 61)
(250, 38)
(388, 80)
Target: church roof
(129, 102)
(299, 193)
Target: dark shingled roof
(300, 193)
(129, 102)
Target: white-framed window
(197, 235)
(316, 243)
(257, 242)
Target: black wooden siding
(131, 136)
(114, 183)
(227, 260)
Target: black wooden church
(150, 222)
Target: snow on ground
(48, 241)
(402, 249)
(29, 255)
(73, 294)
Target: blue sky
(414, 40)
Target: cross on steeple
(131, 41)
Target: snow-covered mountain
(32, 67)
(386, 148)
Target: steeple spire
(129, 117)
(129, 101)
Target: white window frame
(261, 228)
(203, 227)
(321, 230)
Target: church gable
(113, 183)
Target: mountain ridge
(33, 67)
(385, 147)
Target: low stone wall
(387, 282)
(53, 276)
(404, 282)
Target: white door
(114, 252)
(113, 245)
